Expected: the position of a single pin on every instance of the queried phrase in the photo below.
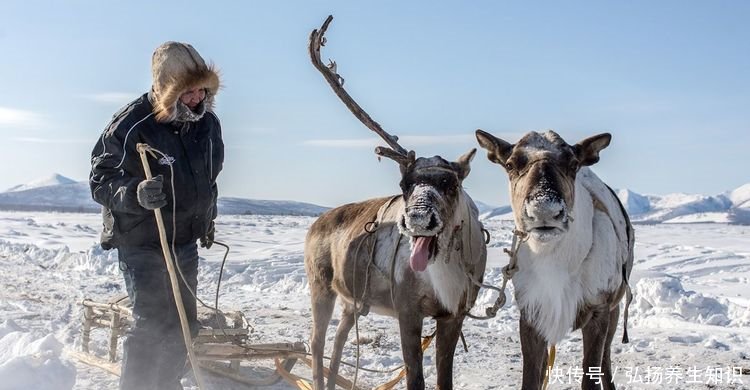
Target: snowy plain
(689, 321)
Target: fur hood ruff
(177, 68)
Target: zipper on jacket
(210, 160)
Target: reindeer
(414, 255)
(573, 266)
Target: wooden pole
(142, 149)
(86, 331)
(114, 333)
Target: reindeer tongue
(420, 254)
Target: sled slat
(113, 368)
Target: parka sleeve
(218, 163)
(110, 184)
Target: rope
(519, 237)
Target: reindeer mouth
(546, 233)
(544, 229)
(423, 248)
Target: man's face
(193, 97)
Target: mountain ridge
(71, 196)
(59, 193)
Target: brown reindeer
(415, 255)
(577, 255)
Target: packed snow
(690, 316)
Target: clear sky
(669, 79)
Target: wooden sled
(221, 350)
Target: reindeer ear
(498, 150)
(462, 166)
(587, 151)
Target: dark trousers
(154, 354)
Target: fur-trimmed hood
(177, 68)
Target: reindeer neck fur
(445, 278)
(548, 285)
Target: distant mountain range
(59, 193)
(55, 179)
(728, 207)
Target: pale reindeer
(576, 252)
(415, 255)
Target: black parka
(195, 152)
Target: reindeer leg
(534, 351)
(448, 331)
(609, 382)
(410, 326)
(342, 332)
(595, 333)
(323, 300)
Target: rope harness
(519, 237)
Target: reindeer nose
(420, 216)
(545, 211)
(423, 219)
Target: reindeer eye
(509, 166)
(573, 165)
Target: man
(176, 117)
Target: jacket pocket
(127, 224)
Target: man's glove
(208, 240)
(150, 195)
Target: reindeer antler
(396, 152)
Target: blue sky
(668, 79)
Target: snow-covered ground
(690, 317)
